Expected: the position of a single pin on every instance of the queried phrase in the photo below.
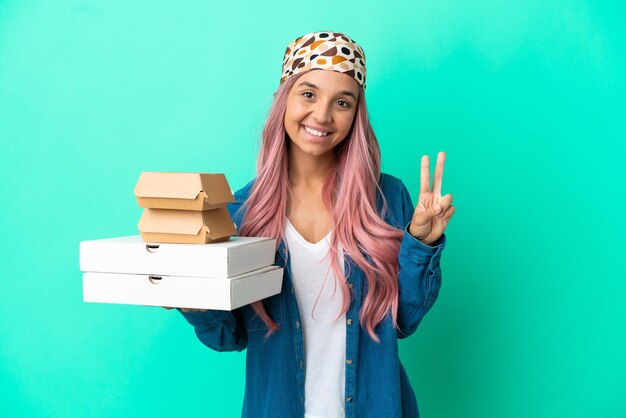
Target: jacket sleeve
(219, 330)
(419, 276)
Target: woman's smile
(312, 135)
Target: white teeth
(314, 132)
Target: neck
(309, 170)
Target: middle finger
(441, 159)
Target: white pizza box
(131, 255)
(183, 292)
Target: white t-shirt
(324, 337)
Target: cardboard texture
(183, 191)
(183, 292)
(186, 226)
(130, 254)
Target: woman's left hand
(433, 212)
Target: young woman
(361, 262)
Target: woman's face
(323, 101)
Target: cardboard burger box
(223, 275)
(186, 226)
(183, 191)
(184, 207)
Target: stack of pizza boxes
(188, 254)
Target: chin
(314, 150)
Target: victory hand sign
(433, 212)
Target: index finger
(425, 175)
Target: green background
(526, 98)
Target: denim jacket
(376, 383)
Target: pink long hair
(349, 194)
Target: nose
(322, 113)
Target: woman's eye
(342, 103)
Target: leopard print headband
(326, 50)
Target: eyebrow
(313, 86)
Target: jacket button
(349, 321)
(349, 399)
(349, 361)
(298, 324)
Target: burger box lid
(132, 255)
(183, 292)
(186, 226)
(184, 191)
